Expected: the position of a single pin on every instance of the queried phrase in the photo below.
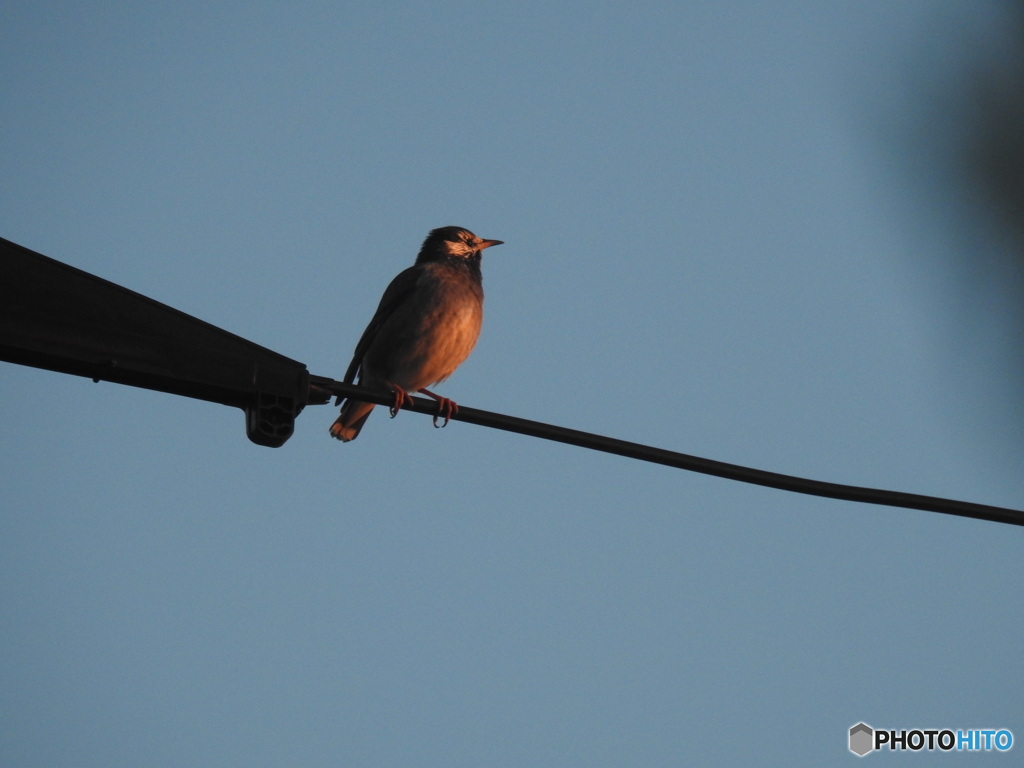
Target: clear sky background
(727, 233)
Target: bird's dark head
(452, 242)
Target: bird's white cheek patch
(457, 249)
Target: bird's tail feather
(353, 415)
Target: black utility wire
(692, 463)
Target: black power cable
(685, 461)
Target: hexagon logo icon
(861, 739)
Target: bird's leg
(401, 398)
(445, 407)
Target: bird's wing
(397, 293)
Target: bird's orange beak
(489, 243)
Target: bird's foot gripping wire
(402, 398)
(445, 408)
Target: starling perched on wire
(426, 324)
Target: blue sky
(726, 234)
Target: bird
(425, 326)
